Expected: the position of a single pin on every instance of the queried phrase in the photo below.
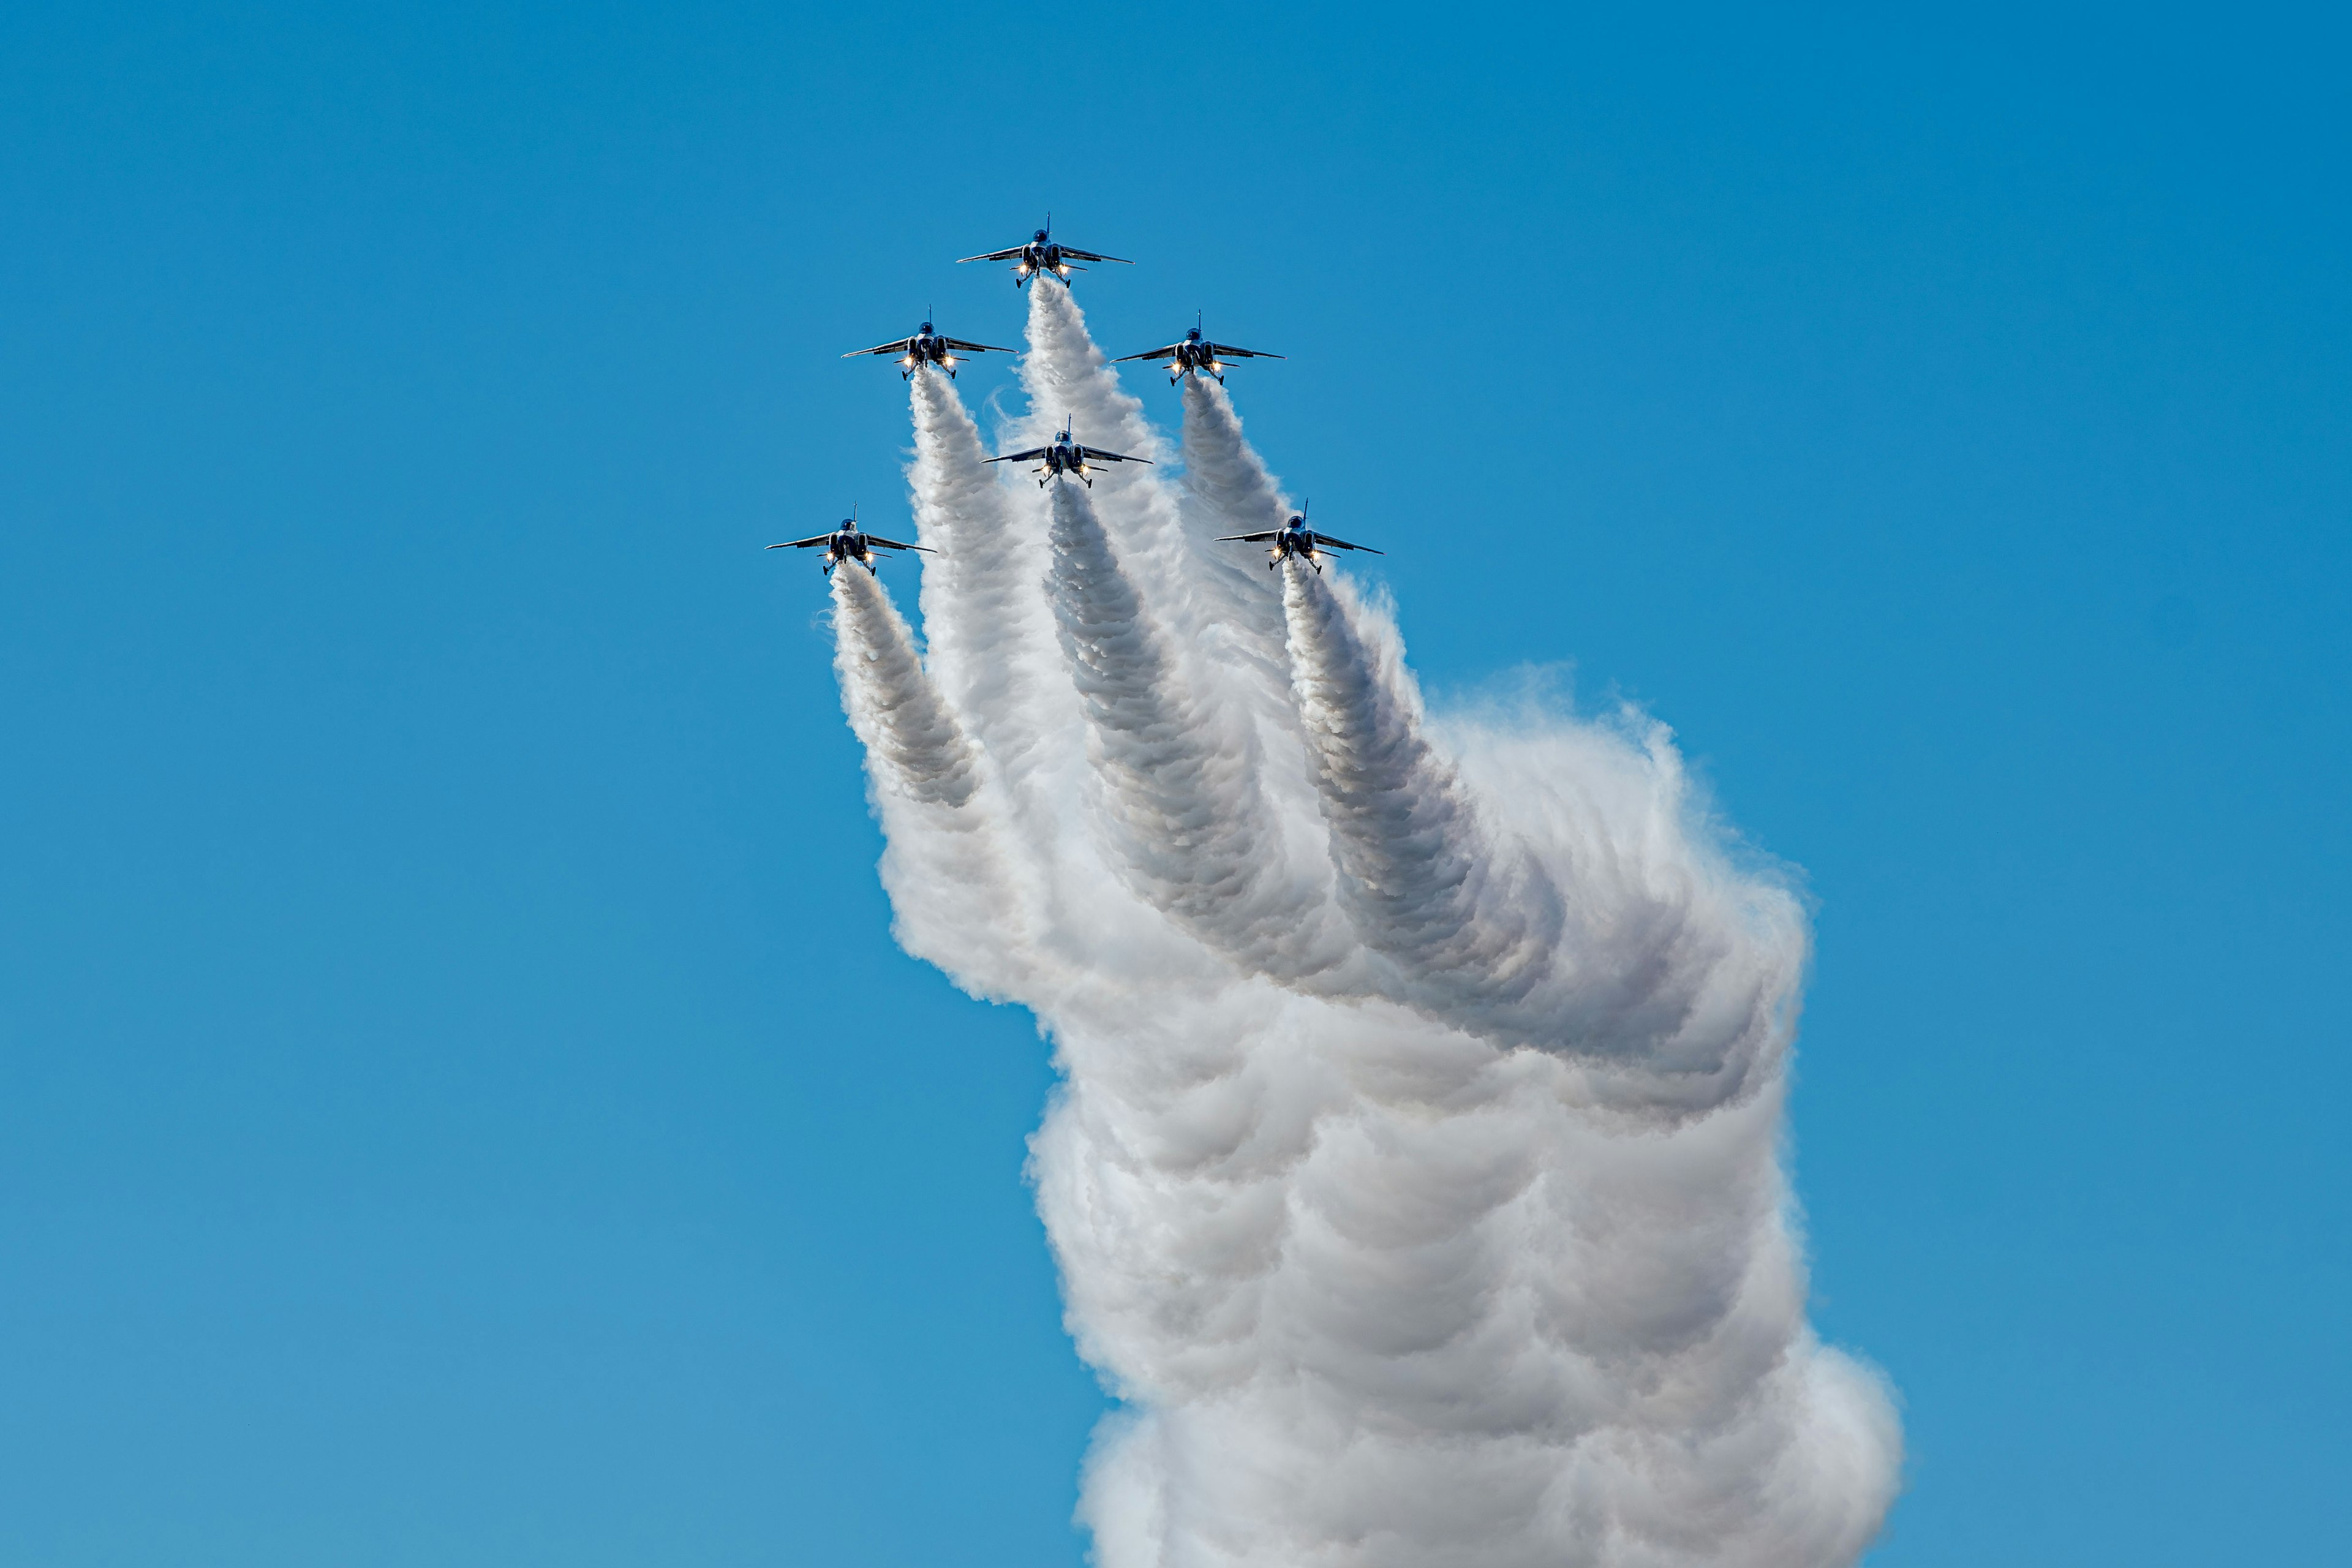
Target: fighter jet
(1299, 539)
(1064, 456)
(1196, 353)
(1042, 254)
(927, 347)
(849, 543)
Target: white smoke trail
(892, 705)
(1425, 885)
(1376, 1289)
(1190, 588)
(991, 642)
(1181, 784)
(1239, 497)
(1562, 945)
(951, 889)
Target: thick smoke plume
(1416, 1177)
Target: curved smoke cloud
(1179, 788)
(941, 864)
(1416, 1178)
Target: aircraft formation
(1066, 458)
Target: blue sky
(458, 1098)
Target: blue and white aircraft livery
(849, 543)
(1044, 254)
(927, 347)
(1066, 457)
(1295, 539)
(1193, 353)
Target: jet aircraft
(1296, 540)
(1042, 254)
(1194, 355)
(927, 347)
(1064, 456)
(849, 543)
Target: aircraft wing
(1227, 350)
(1247, 538)
(893, 544)
(1099, 456)
(1011, 255)
(1022, 457)
(1167, 353)
(1090, 256)
(803, 543)
(1323, 539)
(901, 346)
(974, 348)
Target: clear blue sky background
(458, 1101)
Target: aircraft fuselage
(1040, 256)
(1193, 356)
(926, 347)
(847, 545)
(1294, 543)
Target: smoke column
(948, 882)
(1180, 785)
(1450, 1229)
(991, 640)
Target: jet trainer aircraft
(1195, 353)
(1064, 456)
(849, 543)
(1042, 254)
(1296, 540)
(927, 347)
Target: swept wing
(1227, 350)
(1022, 457)
(1096, 453)
(1069, 250)
(1324, 538)
(1249, 538)
(803, 543)
(1013, 255)
(974, 348)
(893, 544)
(903, 345)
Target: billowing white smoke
(923, 775)
(1193, 830)
(1416, 1179)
